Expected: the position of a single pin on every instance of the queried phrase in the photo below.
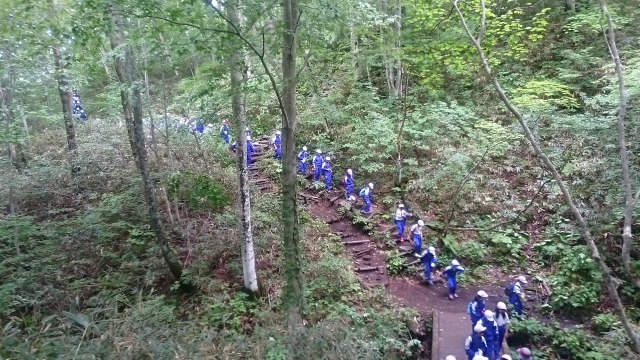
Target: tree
(611, 283)
(629, 198)
(63, 85)
(132, 108)
(236, 66)
(290, 221)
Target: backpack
(469, 308)
(509, 289)
(362, 192)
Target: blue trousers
(302, 167)
(327, 180)
(278, 154)
(248, 159)
(427, 271)
(400, 227)
(417, 243)
(367, 204)
(316, 172)
(517, 303)
(501, 333)
(349, 191)
(491, 349)
(225, 138)
(453, 285)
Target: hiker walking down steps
(400, 220)
(416, 237)
(327, 172)
(365, 194)
(475, 309)
(516, 294)
(451, 272)
(225, 133)
(317, 165)
(276, 143)
(302, 161)
(347, 180)
(490, 334)
(429, 261)
(475, 343)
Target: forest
(224, 179)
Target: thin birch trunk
(239, 119)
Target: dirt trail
(368, 256)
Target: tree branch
(457, 191)
(259, 54)
(491, 228)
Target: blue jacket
(476, 308)
(318, 160)
(348, 180)
(452, 272)
(474, 343)
(277, 142)
(326, 167)
(429, 258)
(491, 334)
(302, 156)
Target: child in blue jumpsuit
(327, 172)
(429, 261)
(277, 146)
(302, 161)
(451, 272)
(317, 165)
(400, 220)
(348, 183)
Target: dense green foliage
(80, 272)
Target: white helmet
(278, 132)
(489, 315)
(248, 138)
(352, 198)
(349, 172)
(304, 148)
(455, 262)
(432, 249)
(505, 357)
(480, 357)
(420, 223)
(479, 328)
(482, 294)
(371, 185)
(400, 205)
(522, 279)
(247, 128)
(327, 159)
(318, 151)
(450, 357)
(209, 125)
(501, 306)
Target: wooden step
(356, 242)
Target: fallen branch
(355, 242)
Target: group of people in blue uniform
(489, 328)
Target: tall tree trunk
(630, 200)
(132, 106)
(11, 151)
(239, 119)
(65, 100)
(291, 231)
(610, 281)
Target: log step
(366, 268)
(355, 242)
